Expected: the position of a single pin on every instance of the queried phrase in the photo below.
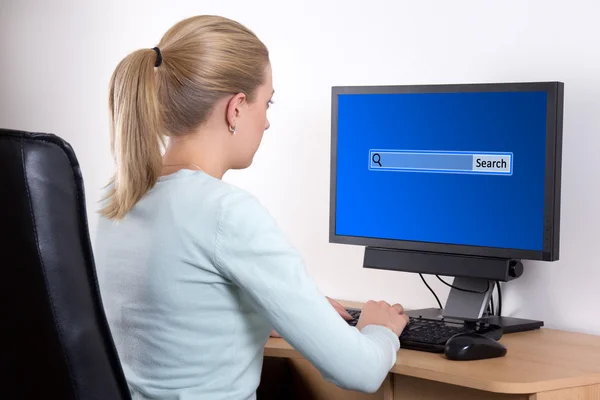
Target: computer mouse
(473, 346)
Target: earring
(232, 130)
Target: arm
(253, 253)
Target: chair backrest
(56, 342)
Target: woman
(194, 272)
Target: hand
(275, 334)
(340, 309)
(381, 313)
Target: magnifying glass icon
(376, 159)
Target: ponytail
(136, 132)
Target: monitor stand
(470, 304)
(473, 274)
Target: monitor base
(508, 324)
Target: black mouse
(473, 346)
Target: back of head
(170, 91)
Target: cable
(490, 306)
(431, 290)
(499, 299)
(464, 290)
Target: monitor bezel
(552, 186)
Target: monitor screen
(443, 167)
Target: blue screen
(452, 168)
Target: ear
(234, 108)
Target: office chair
(55, 340)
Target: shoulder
(248, 239)
(203, 193)
(243, 212)
(206, 199)
(225, 197)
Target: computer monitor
(459, 180)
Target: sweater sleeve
(254, 254)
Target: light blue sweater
(194, 279)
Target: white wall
(56, 58)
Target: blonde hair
(203, 59)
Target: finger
(342, 311)
(345, 315)
(398, 308)
(334, 303)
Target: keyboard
(431, 335)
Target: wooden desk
(540, 365)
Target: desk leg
(591, 392)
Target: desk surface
(537, 361)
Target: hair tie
(158, 57)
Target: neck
(195, 150)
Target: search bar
(441, 162)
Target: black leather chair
(55, 341)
